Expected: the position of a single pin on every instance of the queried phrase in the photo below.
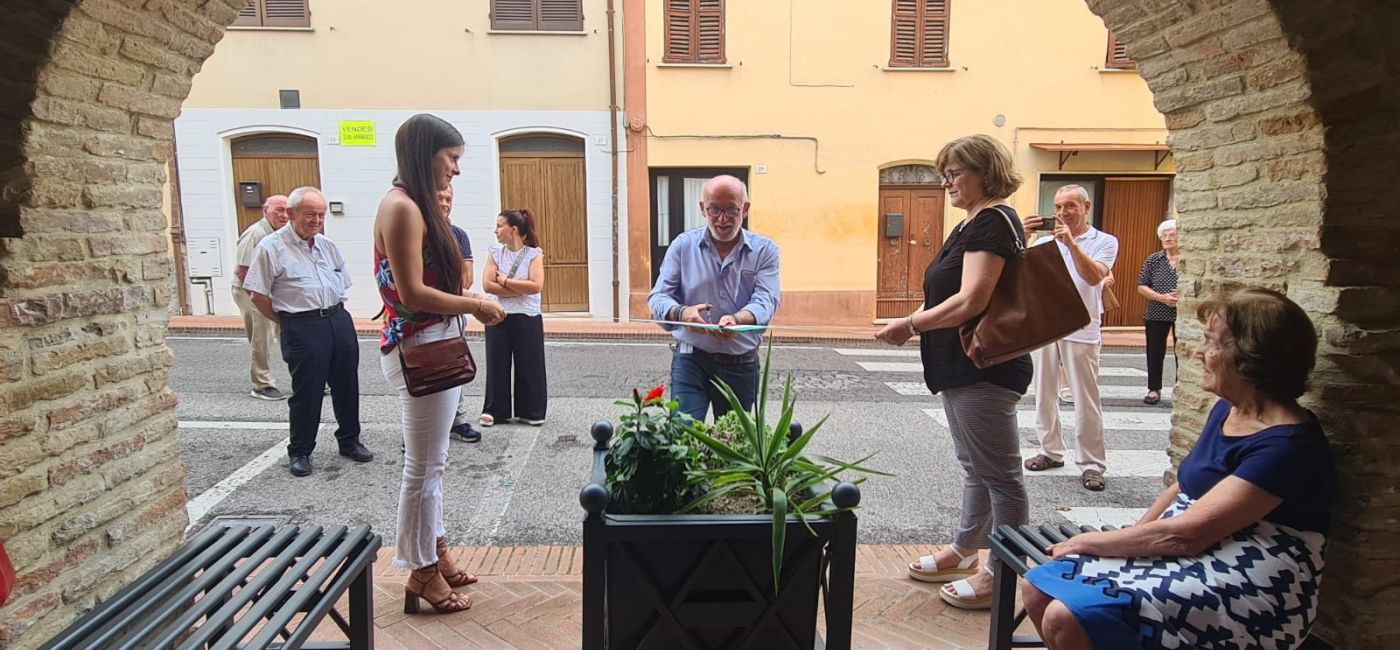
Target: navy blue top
(1290, 461)
(463, 242)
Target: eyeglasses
(952, 175)
(713, 210)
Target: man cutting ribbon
(721, 275)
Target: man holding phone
(1089, 255)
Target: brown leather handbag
(1034, 304)
(437, 366)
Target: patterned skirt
(1256, 589)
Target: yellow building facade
(833, 110)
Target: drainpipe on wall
(177, 230)
(612, 141)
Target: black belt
(729, 359)
(314, 313)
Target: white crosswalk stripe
(914, 353)
(1100, 517)
(918, 389)
(1113, 420)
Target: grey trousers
(982, 419)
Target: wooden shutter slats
(919, 33)
(274, 13)
(694, 31)
(248, 17)
(537, 15)
(1117, 57)
(561, 15)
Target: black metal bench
(1013, 545)
(237, 586)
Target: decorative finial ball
(794, 431)
(602, 431)
(845, 495)
(593, 498)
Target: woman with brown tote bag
(418, 267)
(980, 402)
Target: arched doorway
(268, 164)
(909, 236)
(545, 173)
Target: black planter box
(706, 581)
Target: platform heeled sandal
(926, 569)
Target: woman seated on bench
(1231, 555)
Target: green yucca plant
(770, 467)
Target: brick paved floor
(530, 597)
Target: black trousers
(321, 350)
(518, 341)
(1157, 350)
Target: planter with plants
(723, 537)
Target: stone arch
(1281, 115)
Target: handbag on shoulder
(1034, 304)
(438, 365)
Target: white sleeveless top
(505, 258)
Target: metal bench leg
(1003, 604)
(362, 611)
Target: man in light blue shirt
(723, 275)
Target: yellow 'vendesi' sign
(357, 133)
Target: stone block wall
(91, 484)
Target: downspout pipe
(613, 151)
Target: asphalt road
(520, 484)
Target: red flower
(655, 393)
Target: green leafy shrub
(651, 459)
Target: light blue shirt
(693, 274)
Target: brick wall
(91, 487)
(1283, 121)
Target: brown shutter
(680, 32)
(904, 34)
(710, 31)
(561, 15)
(249, 16)
(1118, 55)
(933, 41)
(286, 13)
(513, 15)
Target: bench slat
(221, 622)
(336, 572)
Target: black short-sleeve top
(945, 364)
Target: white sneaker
(270, 394)
(533, 423)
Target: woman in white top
(515, 275)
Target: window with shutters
(919, 34)
(1118, 55)
(274, 13)
(537, 15)
(694, 31)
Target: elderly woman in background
(1157, 283)
(1231, 555)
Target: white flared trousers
(426, 422)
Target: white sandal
(960, 594)
(967, 566)
(486, 420)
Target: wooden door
(1132, 208)
(903, 259)
(281, 163)
(552, 187)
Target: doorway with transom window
(910, 235)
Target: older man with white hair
(1089, 255)
(718, 274)
(257, 328)
(298, 279)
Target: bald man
(256, 327)
(718, 274)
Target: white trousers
(1081, 363)
(426, 422)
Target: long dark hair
(416, 144)
(523, 221)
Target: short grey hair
(1077, 189)
(1169, 224)
(295, 198)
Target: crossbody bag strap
(1015, 234)
(516, 265)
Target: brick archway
(1282, 118)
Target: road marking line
(1136, 420)
(184, 424)
(1100, 517)
(890, 366)
(201, 505)
(1121, 372)
(493, 506)
(897, 352)
(1121, 463)
(918, 389)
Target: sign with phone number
(358, 133)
